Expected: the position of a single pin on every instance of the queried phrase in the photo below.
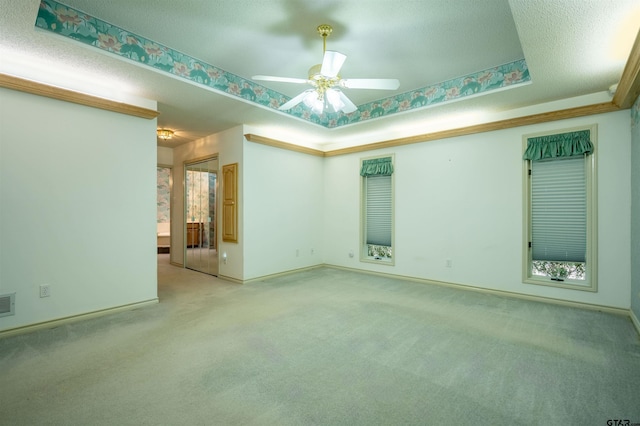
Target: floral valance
(377, 166)
(569, 144)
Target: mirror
(201, 247)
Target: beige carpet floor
(324, 347)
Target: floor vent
(7, 304)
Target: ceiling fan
(326, 94)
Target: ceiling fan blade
(348, 105)
(295, 100)
(370, 83)
(280, 79)
(331, 63)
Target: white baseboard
(230, 279)
(602, 308)
(80, 317)
(266, 277)
(541, 299)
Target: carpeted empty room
(325, 346)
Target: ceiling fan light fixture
(326, 82)
(311, 99)
(334, 100)
(164, 134)
(314, 101)
(330, 100)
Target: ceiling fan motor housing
(321, 82)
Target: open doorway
(201, 185)
(164, 209)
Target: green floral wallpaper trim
(66, 21)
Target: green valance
(377, 166)
(569, 144)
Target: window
(560, 198)
(377, 210)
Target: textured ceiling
(572, 48)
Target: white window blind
(559, 210)
(378, 210)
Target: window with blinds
(560, 226)
(378, 199)
(559, 210)
(377, 209)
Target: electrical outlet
(312, 252)
(297, 252)
(449, 263)
(45, 290)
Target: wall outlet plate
(45, 290)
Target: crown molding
(545, 117)
(481, 128)
(284, 145)
(41, 89)
(628, 88)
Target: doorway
(201, 236)
(164, 209)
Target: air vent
(7, 304)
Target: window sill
(378, 261)
(567, 284)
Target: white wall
(228, 146)
(283, 208)
(77, 208)
(635, 210)
(461, 199)
(165, 156)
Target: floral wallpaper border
(66, 21)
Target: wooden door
(230, 203)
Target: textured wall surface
(635, 209)
(460, 199)
(78, 208)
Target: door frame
(185, 167)
(170, 167)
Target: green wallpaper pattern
(164, 194)
(68, 22)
